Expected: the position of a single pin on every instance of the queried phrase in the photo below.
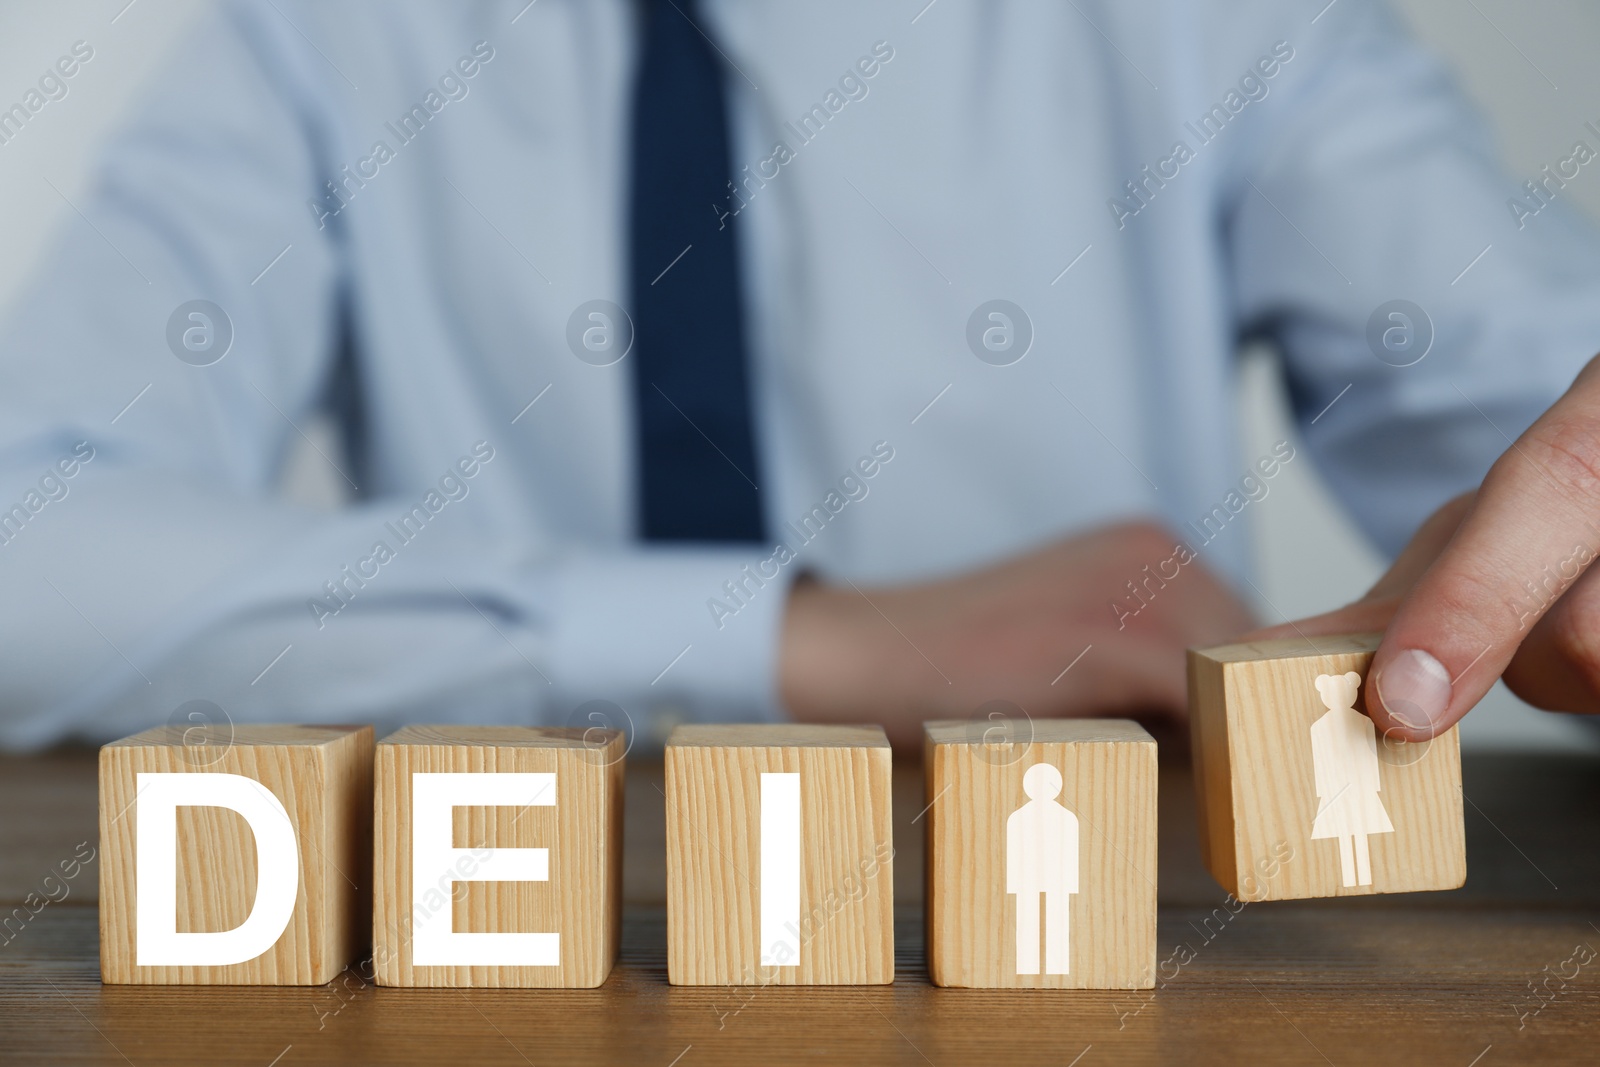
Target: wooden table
(1445, 978)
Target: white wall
(1311, 559)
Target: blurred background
(1529, 67)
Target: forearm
(141, 590)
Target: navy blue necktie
(695, 445)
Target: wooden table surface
(1428, 978)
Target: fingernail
(1415, 689)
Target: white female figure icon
(1344, 751)
(1042, 860)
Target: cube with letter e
(498, 853)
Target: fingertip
(1411, 695)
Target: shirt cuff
(670, 635)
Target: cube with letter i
(779, 855)
(1300, 794)
(235, 855)
(498, 856)
(1041, 854)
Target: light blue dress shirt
(406, 212)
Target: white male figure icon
(1344, 753)
(1042, 860)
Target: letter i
(780, 869)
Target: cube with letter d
(498, 856)
(234, 855)
(779, 856)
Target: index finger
(1528, 536)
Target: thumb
(1524, 539)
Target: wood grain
(323, 777)
(713, 776)
(1108, 770)
(582, 899)
(1393, 979)
(1251, 707)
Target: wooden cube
(235, 855)
(780, 856)
(498, 852)
(1041, 855)
(1300, 795)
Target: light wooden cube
(1059, 825)
(205, 839)
(498, 852)
(1300, 795)
(780, 855)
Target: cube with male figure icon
(1041, 855)
(1299, 793)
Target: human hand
(899, 655)
(1495, 583)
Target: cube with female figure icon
(1299, 793)
(1041, 855)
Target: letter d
(156, 938)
